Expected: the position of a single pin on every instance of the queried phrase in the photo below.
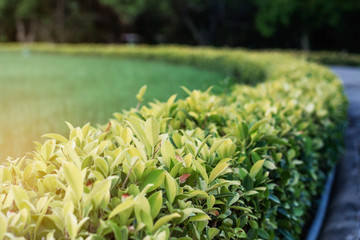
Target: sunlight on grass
(41, 91)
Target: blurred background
(295, 24)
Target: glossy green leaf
(200, 147)
(243, 130)
(256, 168)
(269, 165)
(201, 170)
(218, 171)
(263, 233)
(155, 201)
(212, 233)
(120, 233)
(210, 201)
(129, 203)
(200, 217)
(156, 178)
(164, 220)
(257, 125)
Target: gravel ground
(343, 213)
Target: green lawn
(41, 91)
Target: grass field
(38, 92)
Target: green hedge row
(329, 58)
(335, 58)
(323, 57)
(248, 164)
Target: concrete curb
(318, 221)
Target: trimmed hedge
(248, 164)
(328, 57)
(335, 58)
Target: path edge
(318, 221)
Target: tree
(202, 18)
(26, 14)
(304, 16)
(129, 10)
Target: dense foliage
(247, 164)
(332, 58)
(326, 57)
(320, 24)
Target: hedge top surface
(244, 165)
(242, 64)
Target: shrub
(334, 58)
(244, 165)
(327, 57)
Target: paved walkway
(343, 214)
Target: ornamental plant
(248, 164)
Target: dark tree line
(306, 24)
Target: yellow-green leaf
(171, 187)
(163, 235)
(55, 136)
(73, 155)
(144, 217)
(20, 196)
(256, 168)
(216, 145)
(141, 93)
(142, 202)
(218, 170)
(41, 203)
(269, 165)
(227, 149)
(119, 159)
(210, 201)
(136, 126)
(71, 225)
(164, 220)
(152, 131)
(155, 177)
(202, 145)
(127, 204)
(175, 169)
(127, 135)
(67, 208)
(213, 232)
(102, 165)
(3, 225)
(257, 125)
(197, 193)
(199, 217)
(190, 211)
(201, 170)
(155, 201)
(97, 193)
(222, 183)
(167, 152)
(139, 168)
(74, 178)
(188, 159)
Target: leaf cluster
(248, 164)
